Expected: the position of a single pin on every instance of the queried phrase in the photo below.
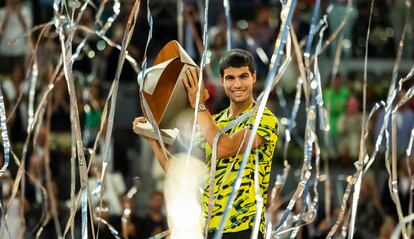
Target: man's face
(13, 2)
(157, 202)
(238, 83)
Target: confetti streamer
(359, 164)
(226, 5)
(253, 45)
(4, 136)
(259, 199)
(48, 177)
(116, 8)
(296, 196)
(180, 21)
(310, 135)
(32, 90)
(200, 75)
(128, 210)
(141, 84)
(66, 49)
(111, 228)
(161, 235)
(114, 89)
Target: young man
(237, 78)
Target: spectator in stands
(155, 221)
(397, 17)
(349, 129)
(15, 21)
(387, 228)
(13, 222)
(264, 32)
(193, 42)
(46, 11)
(335, 99)
(366, 224)
(93, 112)
(404, 182)
(339, 12)
(405, 123)
(128, 73)
(13, 89)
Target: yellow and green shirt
(242, 214)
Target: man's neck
(235, 109)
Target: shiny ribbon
(226, 5)
(4, 136)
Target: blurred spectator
(84, 57)
(46, 11)
(15, 21)
(397, 17)
(404, 194)
(60, 139)
(93, 108)
(13, 88)
(193, 42)
(323, 228)
(131, 223)
(381, 34)
(405, 123)
(370, 210)
(164, 13)
(349, 129)
(335, 98)
(339, 12)
(112, 188)
(387, 228)
(301, 19)
(61, 108)
(12, 221)
(264, 32)
(155, 221)
(128, 73)
(217, 38)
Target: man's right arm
(159, 153)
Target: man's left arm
(227, 146)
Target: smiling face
(238, 84)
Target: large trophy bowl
(165, 93)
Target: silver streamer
(4, 136)
(226, 5)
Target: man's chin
(239, 100)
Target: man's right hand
(138, 120)
(155, 145)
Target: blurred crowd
(28, 65)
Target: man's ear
(254, 77)
(221, 81)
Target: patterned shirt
(242, 214)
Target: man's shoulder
(269, 122)
(267, 111)
(269, 115)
